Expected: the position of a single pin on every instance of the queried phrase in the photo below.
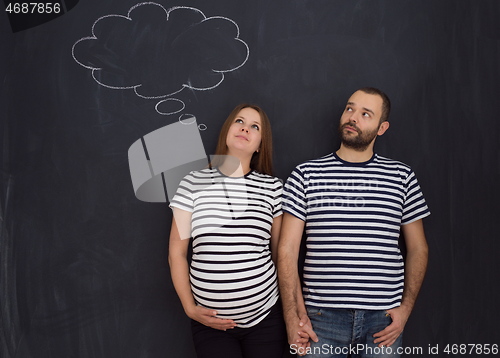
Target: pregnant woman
(231, 214)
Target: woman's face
(244, 135)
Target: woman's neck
(235, 166)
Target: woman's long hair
(262, 161)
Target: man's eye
(366, 114)
(348, 109)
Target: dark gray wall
(84, 263)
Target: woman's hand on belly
(207, 317)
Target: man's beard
(359, 142)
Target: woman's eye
(238, 121)
(348, 109)
(255, 127)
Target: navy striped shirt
(231, 269)
(353, 213)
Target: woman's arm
(179, 270)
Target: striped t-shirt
(231, 269)
(353, 213)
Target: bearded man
(357, 290)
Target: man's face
(360, 122)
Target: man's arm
(415, 267)
(275, 236)
(294, 309)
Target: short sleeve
(414, 207)
(294, 198)
(183, 198)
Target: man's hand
(300, 333)
(306, 330)
(207, 317)
(388, 336)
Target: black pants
(267, 339)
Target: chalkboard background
(84, 268)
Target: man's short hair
(386, 102)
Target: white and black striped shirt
(353, 213)
(231, 269)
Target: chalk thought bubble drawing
(158, 52)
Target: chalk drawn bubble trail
(187, 119)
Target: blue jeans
(349, 333)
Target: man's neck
(354, 156)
